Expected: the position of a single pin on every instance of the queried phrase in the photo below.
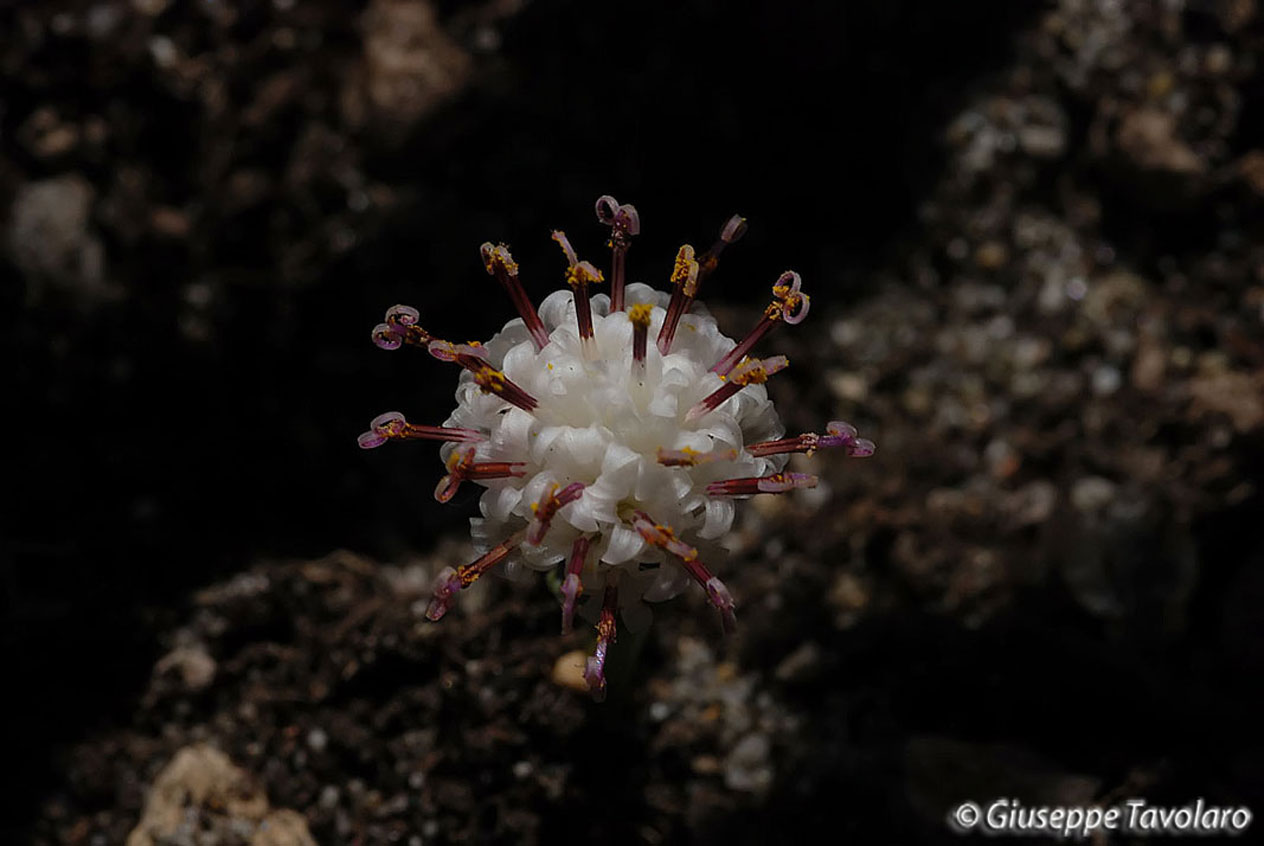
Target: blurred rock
(194, 668)
(410, 67)
(51, 241)
(1148, 138)
(201, 797)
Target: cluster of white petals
(601, 422)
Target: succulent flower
(617, 460)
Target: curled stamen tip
(790, 304)
(402, 315)
(733, 230)
(840, 429)
(720, 597)
(795, 317)
(790, 281)
(607, 208)
(381, 429)
(628, 219)
(861, 448)
(386, 338)
(624, 217)
(843, 434)
(447, 585)
(386, 421)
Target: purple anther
(723, 601)
(733, 229)
(572, 587)
(595, 667)
(447, 585)
(401, 316)
(386, 338)
(844, 435)
(388, 422)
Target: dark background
(189, 365)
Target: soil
(1033, 237)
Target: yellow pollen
(499, 255)
(490, 379)
(639, 314)
(755, 376)
(685, 271)
(580, 275)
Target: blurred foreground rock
(201, 799)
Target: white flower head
(611, 456)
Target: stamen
(734, 229)
(663, 537)
(473, 357)
(694, 272)
(542, 512)
(392, 426)
(624, 222)
(685, 279)
(459, 353)
(843, 434)
(838, 434)
(450, 581)
(462, 466)
(639, 317)
(692, 458)
(572, 587)
(595, 671)
(752, 371)
(579, 276)
(494, 382)
(789, 304)
(400, 328)
(776, 483)
(500, 263)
